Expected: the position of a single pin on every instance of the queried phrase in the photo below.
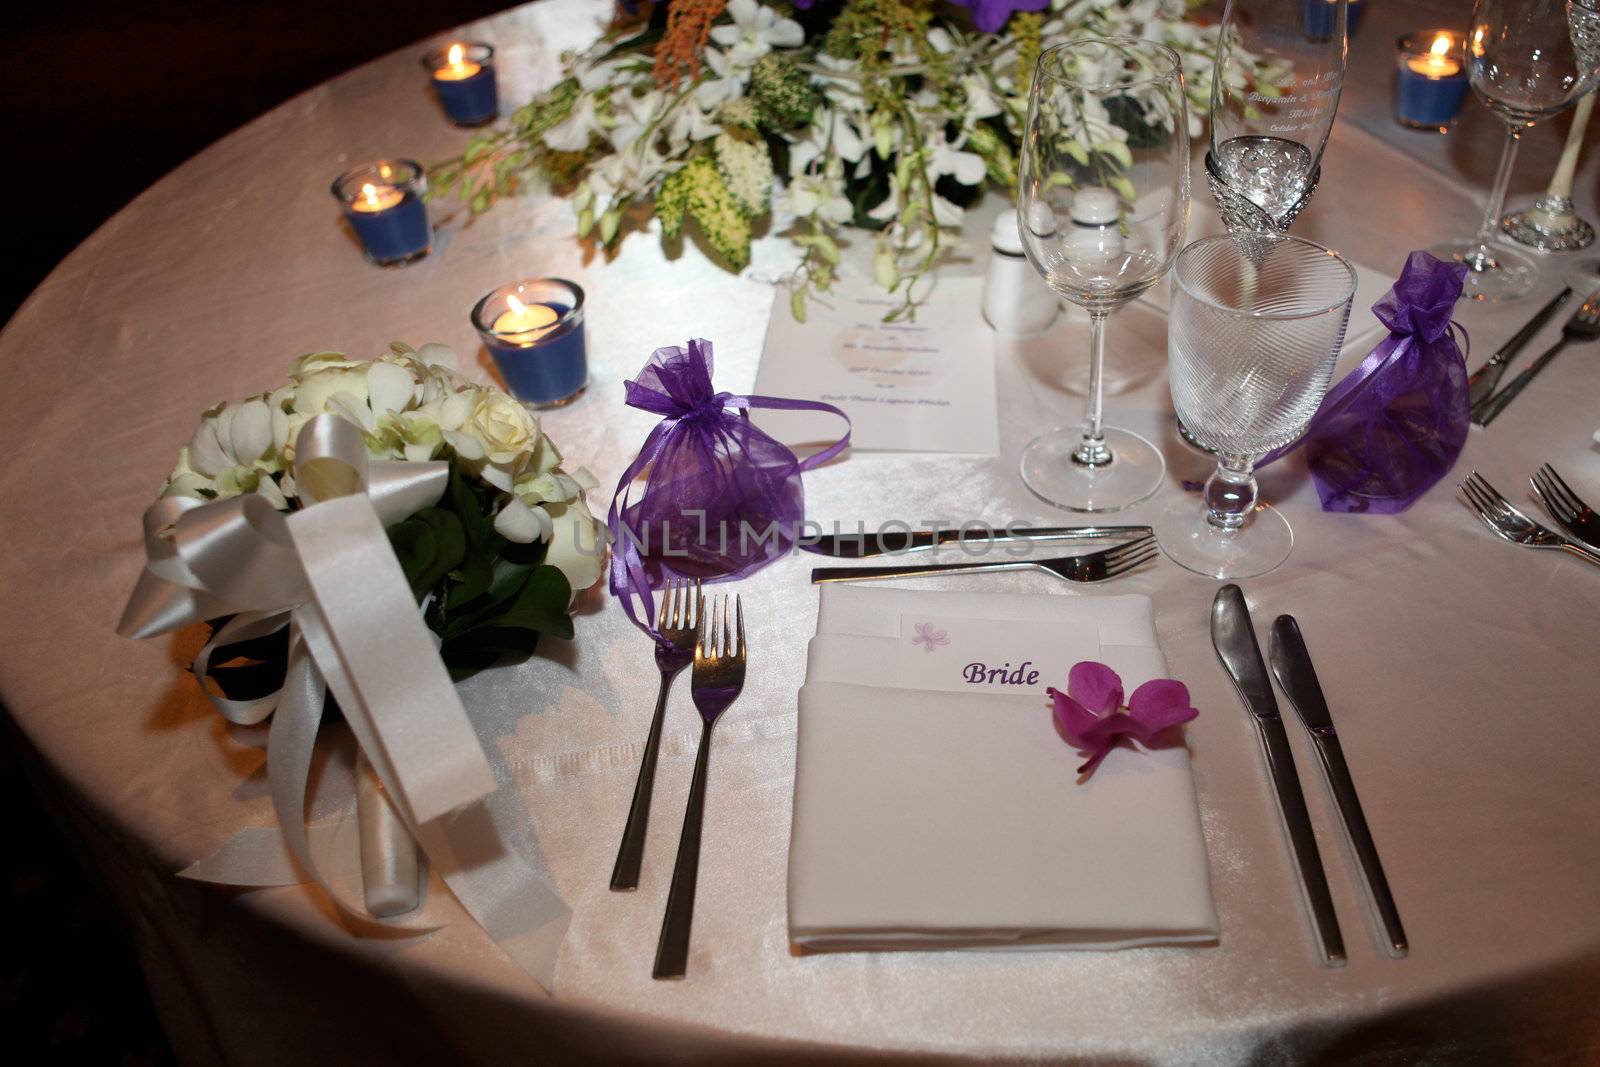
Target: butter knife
(861, 545)
(1235, 641)
(1291, 665)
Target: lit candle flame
(456, 55)
(1441, 44)
(370, 192)
(517, 307)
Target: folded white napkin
(928, 819)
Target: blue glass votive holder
(1320, 16)
(1431, 79)
(383, 202)
(534, 331)
(463, 78)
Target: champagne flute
(1268, 135)
(1526, 60)
(1253, 337)
(1103, 202)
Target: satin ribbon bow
(327, 572)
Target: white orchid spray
(877, 115)
(412, 405)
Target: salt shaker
(1095, 241)
(1016, 301)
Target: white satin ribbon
(328, 574)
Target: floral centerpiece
(884, 115)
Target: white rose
(503, 426)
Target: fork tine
(1480, 500)
(1560, 490)
(1127, 563)
(725, 645)
(1550, 498)
(738, 614)
(1561, 483)
(1130, 546)
(661, 609)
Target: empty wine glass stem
(1092, 450)
(1230, 493)
(1482, 258)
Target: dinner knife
(1481, 382)
(1291, 665)
(863, 544)
(1235, 641)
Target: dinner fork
(716, 682)
(1576, 517)
(1091, 567)
(675, 622)
(1509, 524)
(1584, 325)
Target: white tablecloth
(1461, 670)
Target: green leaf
(710, 203)
(542, 605)
(746, 170)
(429, 545)
(671, 202)
(797, 305)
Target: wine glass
(1251, 343)
(1268, 134)
(1103, 201)
(1526, 60)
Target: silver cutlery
(862, 544)
(1291, 665)
(1481, 382)
(1092, 567)
(719, 657)
(1509, 524)
(1584, 325)
(1235, 641)
(676, 621)
(1576, 517)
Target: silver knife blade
(863, 544)
(1235, 641)
(1291, 665)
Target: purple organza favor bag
(1396, 424)
(721, 498)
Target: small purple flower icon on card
(928, 637)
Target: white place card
(909, 386)
(989, 656)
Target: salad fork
(1509, 524)
(716, 682)
(1576, 517)
(1092, 567)
(675, 621)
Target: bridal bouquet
(882, 115)
(369, 531)
(496, 560)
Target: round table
(1461, 670)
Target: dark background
(100, 100)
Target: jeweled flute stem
(1552, 224)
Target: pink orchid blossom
(1091, 714)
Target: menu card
(914, 385)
